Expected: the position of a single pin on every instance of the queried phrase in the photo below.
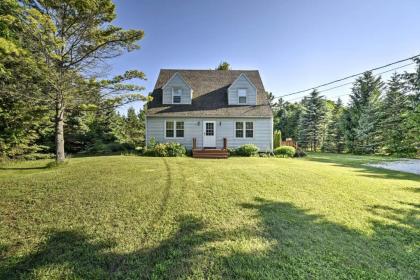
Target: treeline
(52, 97)
(380, 118)
(28, 135)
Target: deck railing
(194, 143)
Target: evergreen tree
(70, 38)
(362, 117)
(412, 124)
(134, 129)
(286, 119)
(335, 131)
(24, 114)
(312, 121)
(394, 117)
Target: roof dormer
(176, 91)
(242, 92)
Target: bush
(231, 151)
(277, 139)
(165, 150)
(266, 154)
(175, 150)
(247, 150)
(300, 153)
(285, 151)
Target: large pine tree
(393, 114)
(362, 119)
(312, 121)
(412, 139)
(335, 133)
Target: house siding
(225, 128)
(242, 83)
(176, 82)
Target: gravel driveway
(409, 165)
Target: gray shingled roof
(209, 95)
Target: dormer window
(176, 95)
(242, 96)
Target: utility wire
(349, 83)
(351, 76)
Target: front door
(209, 134)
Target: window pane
(209, 129)
(169, 125)
(249, 129)
(242, 99)
(179, 129)
(169, 133)
(169, 129)
(249, 133)
(180, 133)
(239, 125)
(177, 99)
(179, 125)
(239, 133)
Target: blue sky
(294, 44)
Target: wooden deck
(210, 153)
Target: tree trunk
(59, 133)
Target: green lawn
(322, 217)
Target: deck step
(210, 153)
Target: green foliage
(312, 121)
(285, 151)
(277, 138)
(223, 66)
(393, 118)
(300, 153)
(247, 150)
(171, 149)
(108, 148)
(363, 136)
(286, 118)
(38, 156)
(334, 141)
(61, 41)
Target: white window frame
(177, 92)
(244, 129)
(242, 92)
(174, 124)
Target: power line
(349, 83)
(351, 76)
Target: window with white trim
(249, 130)
(176, 95)
(242, 96)
(239, 130)
(179, 132)
(174, 129)
(244, 129)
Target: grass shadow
(23, 168)
(85, 258)
(307, 246)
